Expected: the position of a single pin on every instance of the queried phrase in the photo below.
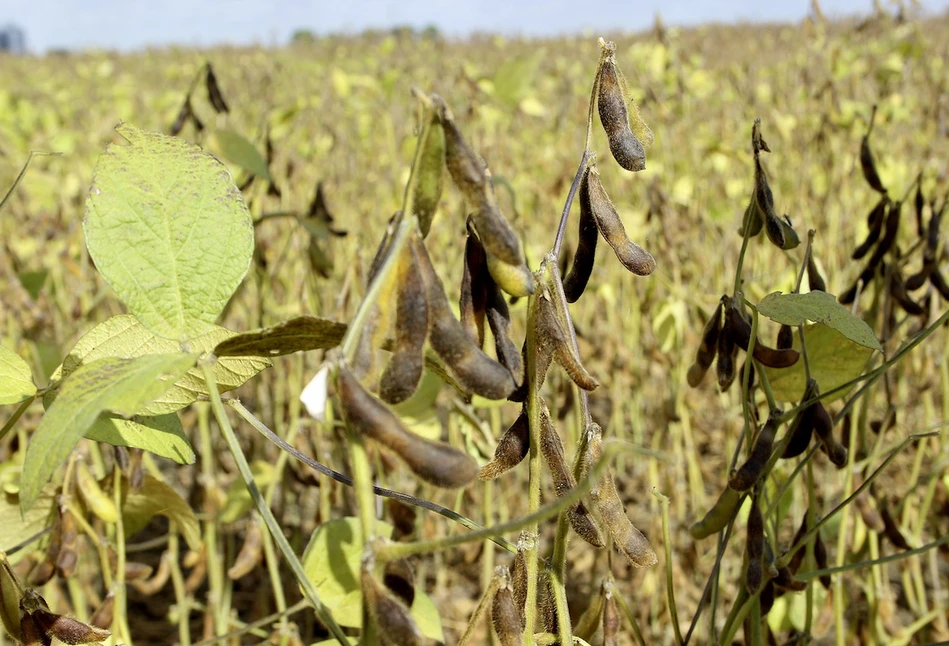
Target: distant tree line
(402, 32)
(12, 39)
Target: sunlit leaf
(238, 497)
(122, 386)
(159, 434)
(168, 230)
(16, 527)
(123, 336)
(16, 380)
(819, 307)
(834, 360)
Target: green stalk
(534, 476)
(309, 590)
(667, 540)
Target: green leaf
(157, 498)
(168, 230)
(238, 497)
(235, 148)
(332, 560)
(299, 334)
(15, 527)
(122, 386)
(160, 434)
(834, 361)
(16, 380)
(123, 336)
(819, 307)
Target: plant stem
(667, 546)
(562, 227)
(121, 615)
(558, 577)
(16, 416)
(309, 590)
(534, 477)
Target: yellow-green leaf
(236, 148)
(159, 434)
(157, 498)
(16, 380)
(819, 307)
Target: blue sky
(133, 24)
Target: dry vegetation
(339, 112)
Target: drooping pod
(611, 102)
(471, 176)
(184, 114)
(630, 542)
(866, 159)
(404, 370)
(512, 448)
(99, 502)
(727, 351)
(875, 220)
(551, 447)
(898, 291)
(802, 427)
(718, 516)
(785, 340)
(435, 462)
(764, 198)
(399, 577)
(634, 258)
(610, 620)
(891, 530)
(824, 429)
(814, 279)
(705, 355)
(472, 369)
(504, 613)
(474, 289)
(740, 329)
(392, 618)
(752, 469)
(214, 92)
(551, 333)
(585, 257)
(754, 547)
(250, 552)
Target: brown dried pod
(102, 617)
(785, 340)
(519, 576)
(404, 370)
(766, 598)
(939, 283)
(740, 330)
(550, 332)
(610, 621)
(875, 220)
(866, 159)
(753, 219)
(901, 296)
(919, 279)
(814, 279)
(786, 581)
(611, 103)
(505, 616)
(820, 557)
(891, 530)
(399, 577)
(68, 557)
(214, 92)
(472, 177)
(512, 448)
(727, 352)
(576, 281)
(184, 114)
(546, 604)
(551, 447)
(890, 231)
(919, 202)
(392, 618)
(473, 370)
(594, 198)
(753, 468)
(797, 557)
(437, 463)
(802, 428)
(250, 552)
(403, 518)
(499, 320)
(474, 288)
(630, 542)
(135, 571)
(824, 428)
(705, 355)
(36, 617)
(754, 547)
(158, 580)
